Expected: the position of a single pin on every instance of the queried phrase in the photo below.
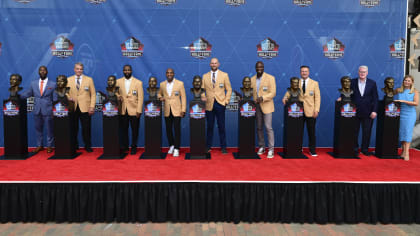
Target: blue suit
(42, 110)
(365, 105)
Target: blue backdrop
(332, 37)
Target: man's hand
(204, 99)
(162, 99)
(138, 115)
(284, 101)
(316, 113)
(182, 114)
(339, 99)
(91, 111)
(259, 99)
(373, 115)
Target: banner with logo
(332, 37)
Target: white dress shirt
(43, 85)
(304, 81)
(362, 86)
(80, 80)
(258, 84)
(215, 75)
(127, 83)
(169, 86)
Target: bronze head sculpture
(294, 89)
(345, 89)
(152, 90)
(246, 88)
(196, 89)
(15, 81)
(389, 87)
(62, 88)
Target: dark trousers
(175, 123)
(310, 126)
(134, 122)
(366, 131)
(84, 118)
(218, 112)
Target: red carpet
(220, 168)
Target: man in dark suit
(365, 97)
(42, 90)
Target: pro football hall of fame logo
(200, 48)
(96, 1)
(268, 49)
(197, 112)
(132, 48)
(295, 110)
(397, 49)
(333, 49)
(348, 110)
(62, 47)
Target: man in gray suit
(42, 91)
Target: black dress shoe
(133, 150)
(88, 149)
(224, 151)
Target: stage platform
(315, 190)
(221, 168)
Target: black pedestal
(64, 128)
(293, 131)
(387, 130)
(15, 130)
(246, 131)
(153, 130)
(197, 111)
(345, 124)
(110, 130)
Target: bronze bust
(112, 89)
(294, 89)
(153, 90)
(15, 81)
(246, 88)
(389, 88)
(345, 89)
(196, 90)
(62, 90)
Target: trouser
(175, 123)
(40, 122)
(134, 122)
(266, 120)
(218, 113)
(310, 126)
(366, 132)
(84, 118)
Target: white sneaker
(176, 153)
(171, 149)
(270, 154)
(261, 151)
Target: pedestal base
(146, 156)
(343, 157)
(23, 157)
(104, 157)
(237, 156)
(301, 156)
(388, 157)
(65, 157)
(188, 156)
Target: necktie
(213, 79)
(304, 86)
(78, 83)
(41, 88)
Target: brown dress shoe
(49, 149)
(38, 149)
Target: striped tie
(78, 83)
(213, 79)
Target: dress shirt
(362, 86)
(43, 85)
(127, 83)
(169, 86)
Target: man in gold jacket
(218, 92)
(131, 92)
(83, 94)
(311, 98)
(264, 89)
(172, 93)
